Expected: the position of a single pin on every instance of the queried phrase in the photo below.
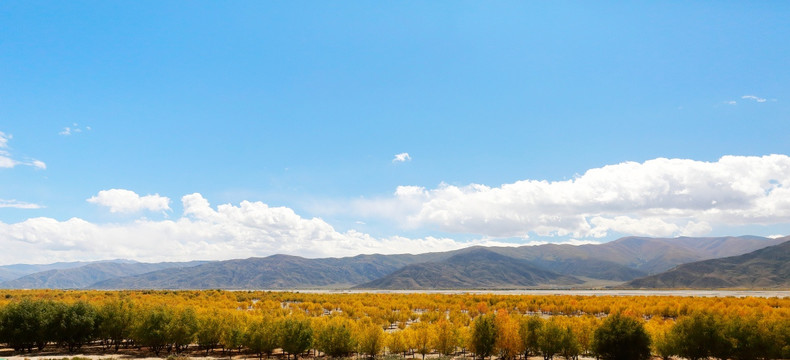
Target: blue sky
(299, 110)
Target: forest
(419, 325)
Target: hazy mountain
(86, 275)
(620, 260)
(631, 257)
(477, 268)
(273, 272)
(15, 271)
(765, 268)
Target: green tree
(209, 332)
(296, 336)
(550, 336)
(334, 338)
(181, 329)
(664, 345)
(232, 334)
(484, 334)
(696, 336)
(749, 340)
(528, 331)
(117, 320)
(570, 347)
(76, 324)
(151, 330)
(621, 338)
(26, 324)
(262, 337)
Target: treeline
(277, 323)
(28, 325)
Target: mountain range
(764, 268)
(624, 262)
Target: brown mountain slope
(621, 260)
(272, 272)
(631, 257)
(764, 268)
(476, 268)
(80, 277)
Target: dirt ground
(95, 352)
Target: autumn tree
(464, 339)
(660, 339)
(508, 342)
(396, 343)
(550, 336)
(117, 320)
(232, 332)
(445, 337)
(296, 335)
(421, 338)
(181, 329)
(334, 338)
(209, 332)
(570, 347)
(262, 337)
(621, 337)
(370, 339)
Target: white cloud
(660, 197)
(18, 204)
(7, 161)
(573, 242)
(755, 98)
(203, 232)
(402, 157)
(731, 102)
(4, 140)
(126, 201)
(775, 236)
(73, 129)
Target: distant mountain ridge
(764, 268)
(87, 275)
(272, 272)
(641, 254)
(15, 271)
(547, 265)
(476, 268)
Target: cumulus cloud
(203, 232)
(127, 201)
(660, 197)
(402, 157)
(755, 98)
